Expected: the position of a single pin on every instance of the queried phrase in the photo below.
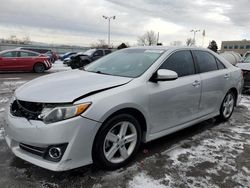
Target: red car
(23, 60)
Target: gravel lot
(205, 155)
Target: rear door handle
(196, 83)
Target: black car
(82, 59)
(66, 55)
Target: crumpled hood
(65, 87)
(243, 66)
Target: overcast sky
(80, 22)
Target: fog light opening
(55, 152)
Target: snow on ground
(217, 157)
(4, 99)
(10, 86)
(58, 66)
(143, 181)
(245, 101)
(13, 78)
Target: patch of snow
(1, 133)
(97, 185)
(200, 182)
(143, 181)
(10, 86)
(240, 130)
(14, 78)
(212, 171)
(241, 179)
(246, 169)
(4, 99)
(245, 101)
(11, 83)
(2, 110)
(58, 66)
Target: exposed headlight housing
(51, 115)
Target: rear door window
(206, 61)
(181, 62)
(107, 52)
(10, 54)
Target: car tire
(117, 142)
(227, 107)
(39, 68)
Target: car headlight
(51, 115)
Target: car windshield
(247, 60)
(127, 63)
(89, 52)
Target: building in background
(240, 46)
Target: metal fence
(58, 49)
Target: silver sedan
(102, 113)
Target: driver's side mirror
(164, 75)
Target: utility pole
(109, 18)
(158, 35)
(194, 31)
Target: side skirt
(154, 136)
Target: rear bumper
(78, 133)
(47, 64)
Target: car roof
(31, 49)
(165, 48)
(18, 50)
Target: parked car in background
(245, 67)
(82, 59)
(23, 60)
(66, 55)
(104, 112)
(232, 57)
(247, 54)
(48, 52)
(68, 59)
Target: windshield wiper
(100, 72)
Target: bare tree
(147, 39)
(100, 44)
(190, 42)
(26, 40)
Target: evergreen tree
(213, 46)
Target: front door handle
(226, 76)
(196, 83)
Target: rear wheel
(227, 107)
(117, 142)
(39, 68)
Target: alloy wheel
(228, 105)
(120, 142)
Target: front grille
(29, 110)
(33, 149)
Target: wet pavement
(208, 154)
